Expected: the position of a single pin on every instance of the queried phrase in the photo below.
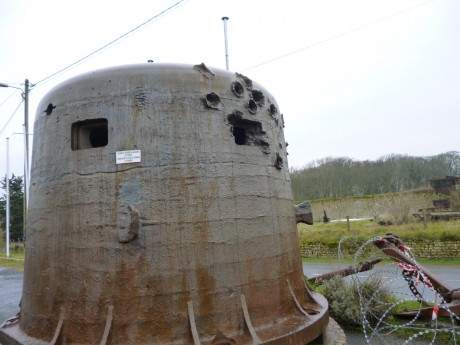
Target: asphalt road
(10, 292)
(391, 275)
(449, 274)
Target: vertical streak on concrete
(191, 316)
(57, 333)
(247, 319)
(108, 325)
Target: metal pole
(7, 197)
(26, 154)
(25, 96)
(226, 43)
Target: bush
(398, 208)
(345, 300)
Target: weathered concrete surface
(195, 239)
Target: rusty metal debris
(393, 247)
(361, 267)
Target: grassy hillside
(379, 206)
(331, 233)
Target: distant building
(445, 185)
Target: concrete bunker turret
(161, 212)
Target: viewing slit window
(89, 134)
(240, 135)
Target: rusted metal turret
(161, 212)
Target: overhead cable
(12, 115)
(7, 98)
(109, 44)
(337, 36)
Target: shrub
(398, 208)
(345, 300)
(445, 236)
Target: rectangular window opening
(89, 134)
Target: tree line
(16, 208)
(325, 178)
(339, 177)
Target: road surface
(10, 292)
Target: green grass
(331, 233)
(16, 259)
(410, 306)
(18, 265)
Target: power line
(7, 98)
(110, 43)
(14, 112)
(338, 35)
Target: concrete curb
(334, 334)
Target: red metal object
(392, 246)
(361, 267)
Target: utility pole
(25, 96)
(26, 155)
(7, 197)
(226, 44)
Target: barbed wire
(377, 328)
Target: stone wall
(434, 249)
(421, 249)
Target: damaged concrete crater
(139, 99)
(258, 97)
(212, 100)
(238, 89)
(252, 106)
(279, 161)
(246, 80)
(273, 110)
(205, 71)
(248, 132)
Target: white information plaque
(131, 156)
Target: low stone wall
(318, 250)
(435, 249)
(421, 249)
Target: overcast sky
(354, 78)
